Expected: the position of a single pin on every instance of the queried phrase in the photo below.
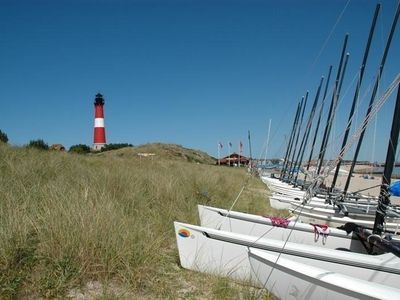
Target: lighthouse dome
(99, 100)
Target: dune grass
(67, 220)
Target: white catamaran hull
(254, 225)
(293, 280)
(336, 221)
(281, 201)
(227, 254)
(362, 212)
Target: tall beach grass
(66, 220)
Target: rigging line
(315, 184)
(368, 188)
(382, 21)
(327, 39)
(363, 97)
(397, 158)
(269, 230)
(234, 202)
(360, 101)
(321, 106)
(269, 130)
(342, 98)
(329, 36)
(264, 146)
(374, 140)
(280, 149)
(283, 247)
(279, 126)
(330, 165)
(374, 110)
(262, 150)
(352, 119)
(320, 177)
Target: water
(396, 170)
(379, 170)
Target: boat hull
(297, 232)
(227, 254)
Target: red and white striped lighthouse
(99, 139)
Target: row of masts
(297, 144)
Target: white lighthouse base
(98, 147)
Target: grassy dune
(101, 226)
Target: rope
(237, 198)
(330, 165)
(366, 189)
(313, 65)
(340, 137)
(329, 36)
(234, 202)
(283, 247)
(360, 100)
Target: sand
(371, 186)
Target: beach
(363, 181)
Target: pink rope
(279, 221)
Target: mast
(291, 140)
(297, 137)
(362, 69)
(250, 148)
(387, 47)
(318, 122)
(266, 150)
(384, 199)
(286, 161)
(283, 170)
(331, 108)
(308, 129)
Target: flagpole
(239, 155)
(229, 153)
(219, 161)
(266, 150)
(250, 160)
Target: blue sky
(192, 72)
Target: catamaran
(292, 269)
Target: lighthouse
(99, 139)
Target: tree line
(78, 148)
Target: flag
(241, 146)
(230, 144)
(220, 145)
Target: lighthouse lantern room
(99, 139)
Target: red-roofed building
(233, 160)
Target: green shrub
(38, 144)
(3, 137)
(80, 149)
(109, 147)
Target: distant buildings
(57, 147)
